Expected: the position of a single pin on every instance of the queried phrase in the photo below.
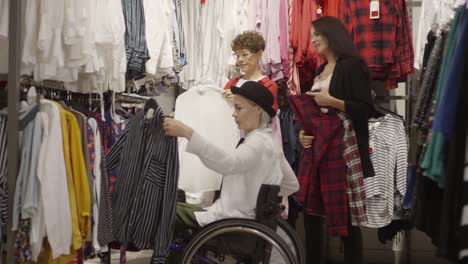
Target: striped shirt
(389, 156)
(3, 170)
(135, 39)
(144, 201)
(464, 215)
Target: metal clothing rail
(50, 84)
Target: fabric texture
(389, 155)
(146, 190)
(350, 82)
(195, 108)
(384, 43)
(322, 172)
(185, 217)
(355, 177)
(135, 39)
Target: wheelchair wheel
(237, 226)
(292, 240)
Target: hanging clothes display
(207, 50)
(388, 148)
(158, 14)
(268, 25)
(60, 177)
(135, 45)
(144, 199)
(439, 139)
(83, 47)
(463, 254)
(195, 108)
(384, 42)
(434, 16)
(306, 58)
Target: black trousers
(315, 236)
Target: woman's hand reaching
(176, 128)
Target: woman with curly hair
(248, 49)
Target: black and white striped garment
(463, 255)
(144, 201)
(135, 39)
(3, 170)
(388, 144)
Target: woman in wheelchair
(254, 162)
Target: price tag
(374, 9)
(371, 146)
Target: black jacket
(350, 83)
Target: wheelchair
(248, 241)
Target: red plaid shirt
(385, 43)
(322, 172)
(355, 176)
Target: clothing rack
(131, 98)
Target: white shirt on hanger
(54, 188)
(204, 108)
(159, 35)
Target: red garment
(322, 172)
(266, 81)
(331, 7)
(384, 43)
(305, 55)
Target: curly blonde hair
(249, 40)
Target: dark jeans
(315, 236)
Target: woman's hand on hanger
(175, 128)
(228, 94)
(306, 141)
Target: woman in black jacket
(342, 83)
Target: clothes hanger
(379, 111)
(150, 108)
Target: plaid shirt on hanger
(384, 43)
(355, 177)
(322, 172)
